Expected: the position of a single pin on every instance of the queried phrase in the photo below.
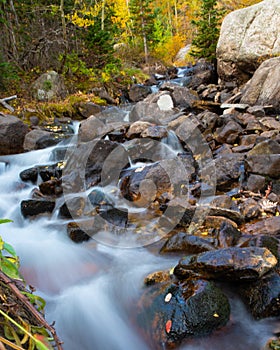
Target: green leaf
(40, 345)
(4, 221)
(36, 300)
(9, 249)
(9, 268)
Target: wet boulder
(231, 264)
(267, 226)
(270, 242)
(262, 297)
(182, 96)
(232, 214)
(34, 207)
(187, 244)
(250, 209)
(87, 109)
(12, 134)
(76, 234)
(170, 312)
(30, 174)
(51, 187)
(153, 110)
(91, 128)
(72, 208)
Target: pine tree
(142, 19)
(208, 29)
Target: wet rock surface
(232, 264)
(171, 312)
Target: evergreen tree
(142, 19)
(207, 31)
(100, 38)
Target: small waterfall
(173, 142)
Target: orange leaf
(168, 326)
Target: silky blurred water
(92, 289)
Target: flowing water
(92, 289)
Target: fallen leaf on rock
(168, 326)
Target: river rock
(262, 297)
(187, 244)
(12, 134)
(33, 207)
(268, 226)
(182, 96)
(151, 181)
(72, 208)
(228, 133)
(39, 139)
(247, 37)
(264, 241)
(49, 86)
(51, 187)
(228, 235)
(264, 87)
(257, 111)
(87, 109)
(271, 123)
(155, 132)
(226, 171)
(30, 174)
(91, 162)
(231, 264)
(137, 128)
(170, 312)
(91, 128)
(76, 234)
(250, 209)
(139, 92)
(149, 112)
(264, 159)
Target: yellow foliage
(83, 16)
(167, 52)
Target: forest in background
(94, 42)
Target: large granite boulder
(264, 87)
(12, 133)
(247, 37)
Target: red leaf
(168, 326)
